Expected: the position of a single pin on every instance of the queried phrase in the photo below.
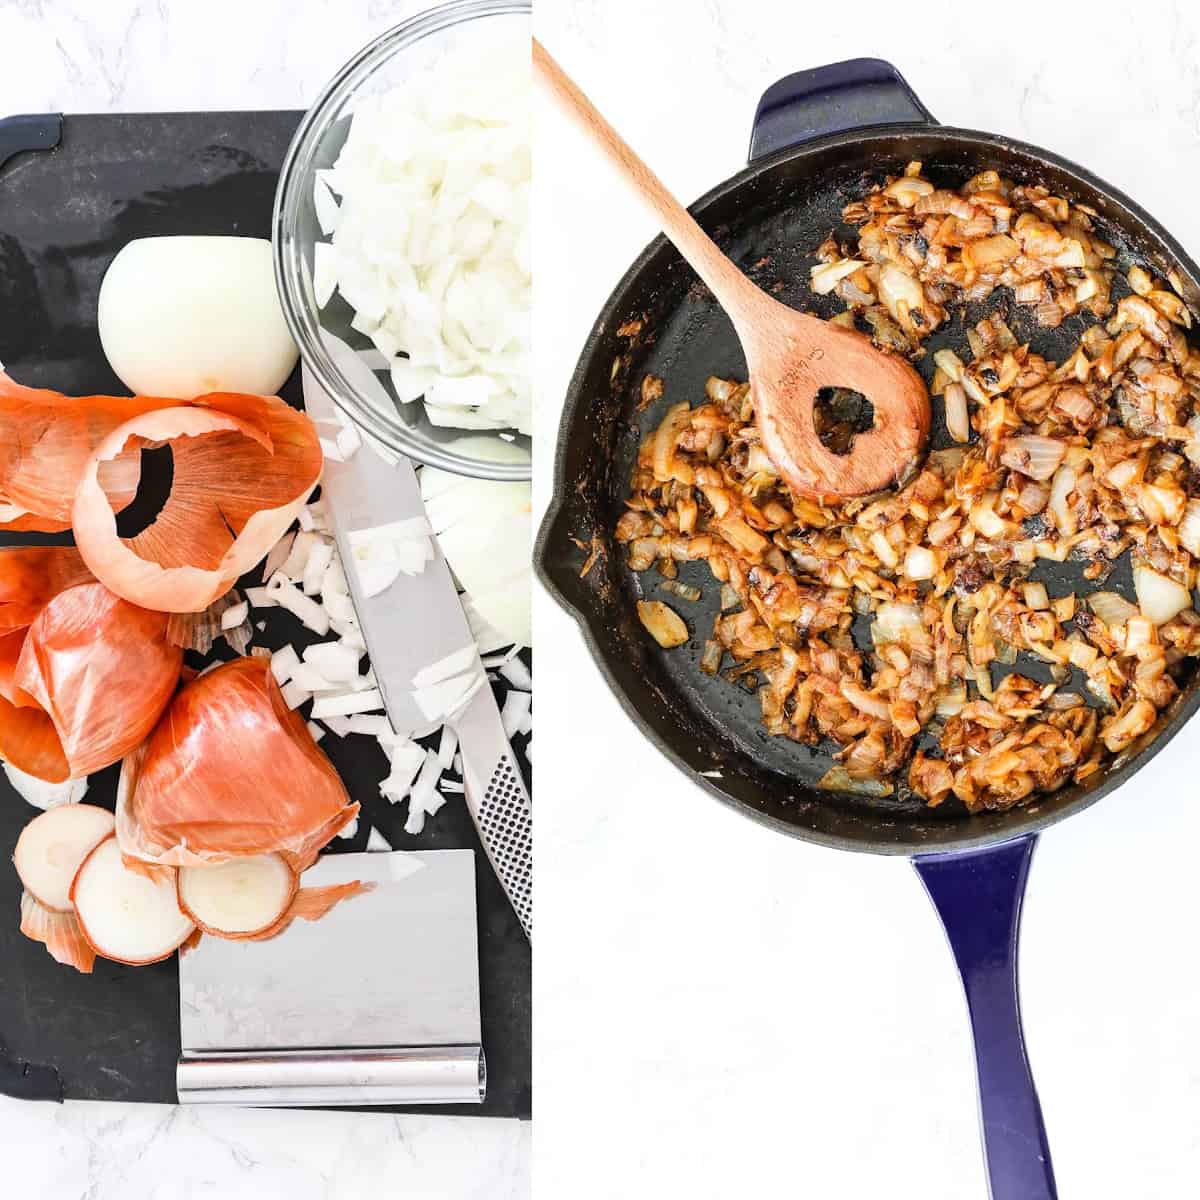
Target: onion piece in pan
(230, 771)
(126, 915)
(86, 647)
(240, 898)
(243, 468)
(46, 439)
(59, 932)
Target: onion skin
(312, 903)
(86, 647)
(31, 576)
(244, 467)
(60, 933)
(46, 439)
(229, 771)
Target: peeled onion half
(485, 530)
(230, 771)
(52, 847)
(239, 898)
(128, 916)
(243, 468)
(92, 676)
(184, 316)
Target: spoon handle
(736, 294)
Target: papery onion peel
(91, 679)
(243, 468)
(230, 771)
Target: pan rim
(975, 831)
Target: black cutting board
(65, 211)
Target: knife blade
(362, 493)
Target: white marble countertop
(141, 55)
(728, 1012)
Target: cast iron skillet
(819, 137)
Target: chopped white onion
(1159, 597)
(454, 663)
(407, 760)
(516, 709)
(337, 662)
(381, 553)
(288, 596)
(517, 674)
(294, 695)
(447, 747)
(283, 662)
(319, 558)
(235, 615)
(344, 704)
(431, 241)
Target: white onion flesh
(1159, 597)
(42, 794)
(431, 237)
(485, 530)
(237, 898)
(182, 316)
(52, 846)
(125, 915)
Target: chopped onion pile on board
(427, 208)
(304, 574)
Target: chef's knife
(418, 621)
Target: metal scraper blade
(375, 1003)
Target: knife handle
(504, 818)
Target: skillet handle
(978, 895)
(822, 100)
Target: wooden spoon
(790, 355)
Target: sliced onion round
(239, 898)
(126, 915)
(52, 847)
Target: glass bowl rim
(297, 165)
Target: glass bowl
(366, 395)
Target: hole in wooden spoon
(839, 416)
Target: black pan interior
(662, 321)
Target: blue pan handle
(978, 895)
(822, 100)
(41, 131)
